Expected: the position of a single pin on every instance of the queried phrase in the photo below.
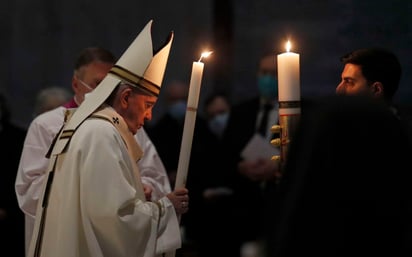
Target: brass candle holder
(289, 115)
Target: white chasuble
(96, 204)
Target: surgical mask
(85, 84)
(218, 123)
(178, 110)
(268, 86)
(87, 95)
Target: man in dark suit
(250, 175)
(346, 189)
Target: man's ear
(124, 97)
(75, 85)
(377, 88)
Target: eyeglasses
(85, 84)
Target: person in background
(91, 66)
(172, 123)
(346, 188)
(216, 197)
(217, 110)
(374, 72)
(250, 120)
(11, 218)
(166, 135)
(363, 112)
(49, 98)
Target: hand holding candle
(190, 119)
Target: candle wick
(205, 54)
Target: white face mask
(85, 84)
(87, 95)
(218, 123)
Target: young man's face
(353, 82)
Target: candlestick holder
(289, 115)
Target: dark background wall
(40, 39)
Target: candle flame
(288, 46)
(205, 55)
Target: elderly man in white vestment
(93, 203)
(91, 66)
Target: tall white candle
(190, 119)
(289, 98)
(288, 76)
(189, 126)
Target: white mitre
(138, 66)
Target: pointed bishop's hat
(138, 66)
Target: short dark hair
(92, 54)
(377, 64)
(215, 94)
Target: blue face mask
(178, 110)
(218, 123)
(268, 86)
